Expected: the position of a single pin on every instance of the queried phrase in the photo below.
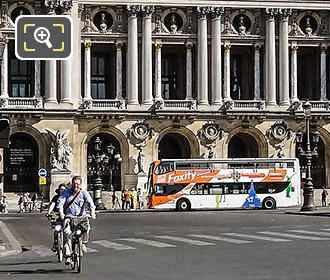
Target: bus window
(216, 189)
(164, 167)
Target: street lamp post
(99, 164)
(308, 154)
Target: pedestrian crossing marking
(91, 250)
(272, 239)
(218, 238)
(185, 240)
(289, 235)
(148, 242)
(2, 248)
(113, 245)
(325, 234)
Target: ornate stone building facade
(173, 80)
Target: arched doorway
(243, 145)
(318, 164)
(21, 164)
(174, 145)
(106, 140)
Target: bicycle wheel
(60, 246)
(78, 256)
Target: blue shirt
(77, 207)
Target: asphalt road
(235, 245)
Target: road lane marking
(289, 235)
(325, 234)
(218, 238)
(273, 239)
(43, 251)
(113, 245)
(185, 240)
(148, 242)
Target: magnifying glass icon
(41, 35)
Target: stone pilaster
(323, 72)
(257, 48)
(119, 69)
(294, 80)
(226, 74)
(189, 46)
(158, 71)
(88, 71)
(4, 69)
(37, 79)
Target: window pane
(23, 67)
(101, 66)
(102, 91)
(94, 65)
(22, 92)
(14, 66)
(94, 91)
(15, 90)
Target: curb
(15, 245)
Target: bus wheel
(183, 205)
(269, 203)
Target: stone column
(323, 72)
(294, 83)
(270, 58)
(4, 71)
(216, 76)
(284, 57)
(50, 81)
(132, 56)
(50, 65)
(66, 71)
(88, 71)
(37, 80)
(147, 55)
(257, 48)
(119, 70)
(202, 56)
(189, 46)
(226, 74)
(66, 65)
(158, 71)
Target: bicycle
(56, 224)
(79, 227)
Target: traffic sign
(42, 181)
(42, 172)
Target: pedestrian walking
(324, 195)
(139, 198)
(127, 197)
(123, 201)
(21, 204)
(134, 198)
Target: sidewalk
(8, 244)
(319, 211)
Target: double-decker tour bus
(185, 184)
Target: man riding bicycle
(53, 210)
(71, 204)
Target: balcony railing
(21, 102)
(244, 105)
(176, 105)
(104, 104)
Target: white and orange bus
(185, 184)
